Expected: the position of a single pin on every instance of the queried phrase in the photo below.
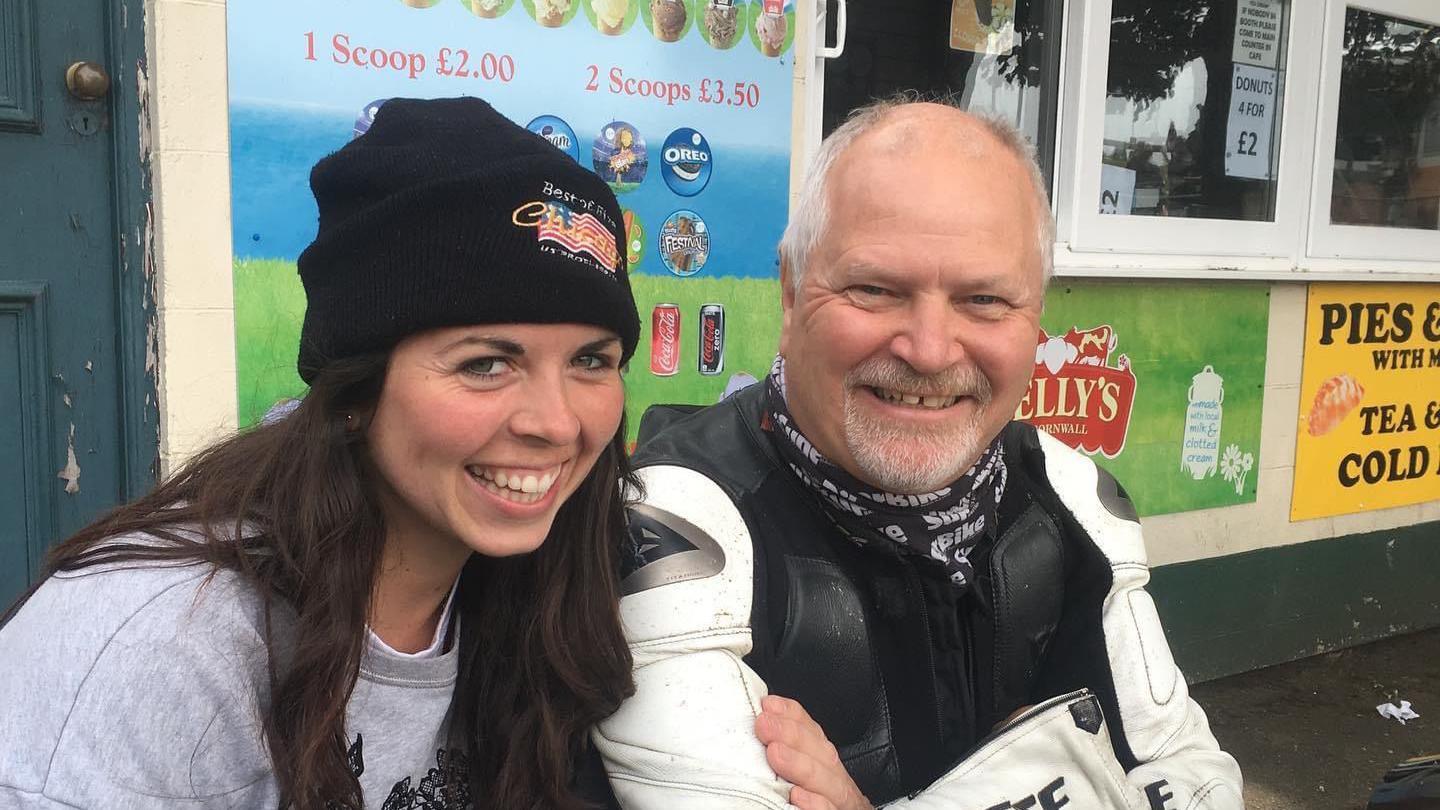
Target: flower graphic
(1235, 465)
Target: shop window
(1192, 109)
(995, 56)
(1387, 134)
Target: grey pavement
(1307, 734)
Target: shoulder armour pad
(664, 548)
(1113, 496)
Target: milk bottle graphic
(1200, 443)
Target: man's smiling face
(910, 339)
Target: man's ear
(787, 301)
(787, 284)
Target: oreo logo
(687, 162)
(557, 132)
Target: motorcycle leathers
(738, 584)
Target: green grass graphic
(270, 303)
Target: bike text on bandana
(944, 525)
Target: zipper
(1013, 728)
(912, 578)
(972, 674)
(1032, 712)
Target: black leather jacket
(904, 673)
(739, 584)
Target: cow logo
(686, 162)
(620, 157)
(577, 233)
(1076, 395)
(558, 133)
(684, 243)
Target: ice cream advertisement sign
(1077, 394)
(1159, 383)
(682, 106)
(1368, 432)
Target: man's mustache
(897, 375)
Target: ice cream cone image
(489, 9)
(668, 19)
(551, 13)
(770, 28)
(610, 15)
(722, 22)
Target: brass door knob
(87, 81)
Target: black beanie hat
(445, 213)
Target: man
(956, 599)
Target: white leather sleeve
(686, 739)
(1181, 766)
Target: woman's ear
(357, 422)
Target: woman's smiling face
(482, 432)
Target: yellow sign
(1369, 430)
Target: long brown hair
(288, 506)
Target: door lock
(87, 81)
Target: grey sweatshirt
(144, 687)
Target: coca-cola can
(712, 339)
(665, 340)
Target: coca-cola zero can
(665, 340)
(712, 339)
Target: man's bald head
(916, 128)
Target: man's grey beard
(898, 458)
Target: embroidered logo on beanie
(586, 235)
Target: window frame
(1220, 242)
(1284, 250)
(1411, 251)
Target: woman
(404, 593)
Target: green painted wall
(1171, 331)
(1240, 612)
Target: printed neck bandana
(944, 525)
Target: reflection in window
(1387, 140)
(1192, 108)
(995, 56)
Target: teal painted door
(73, 403)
